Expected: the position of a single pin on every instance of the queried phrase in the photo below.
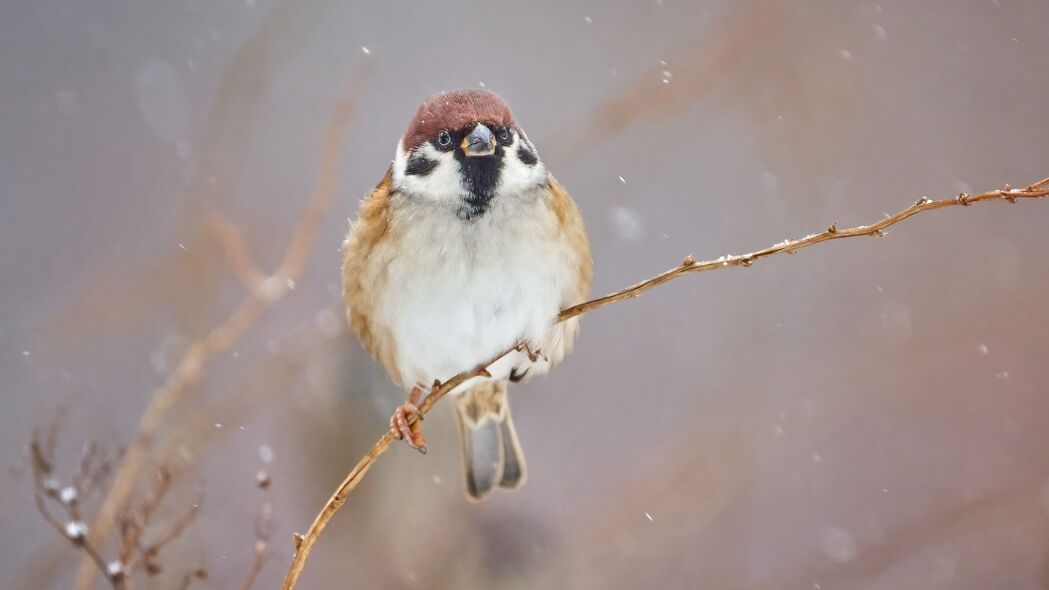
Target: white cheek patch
(442, 183)
(518, 177)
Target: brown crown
(455, 110)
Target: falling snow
(837, 544)
(627, 224)
(328, 323)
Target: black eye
(444, 139)
(504, 135)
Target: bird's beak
(480, 142)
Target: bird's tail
(491, 453)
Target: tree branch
(305, 543)
(263, 292)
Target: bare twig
(263, 292)
(263, 533)
(304, 543)
(238, 255)
(174, 530)
(45, 487)
(94, 465)
(1033, 191)
(198, 574)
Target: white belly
(455, 293)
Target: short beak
(480, 142)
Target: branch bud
(76, 531)
(68, 495)
(51, 486)
(115, 570)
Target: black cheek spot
(526, 156)
(419, 165)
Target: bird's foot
(534, 354)
(402, 426)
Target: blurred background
(870, 413)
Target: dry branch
(263, 291)
(304, 543)
(263, 533)
(49, 491)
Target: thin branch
(198, 574)
(238, 255)
(263, 534)
(269, 290)
(173, 532)
(45, 486)
(304, 543)
(1033, 191)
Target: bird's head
(464, 149)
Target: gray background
(825, 420)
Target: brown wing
(570, 230)
(571, 224)
(358, 292)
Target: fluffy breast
(439, 295)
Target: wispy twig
(263, 292)
(263, 534)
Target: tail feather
(513, 457)
(491, 452)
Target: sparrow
(468, 247)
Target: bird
(468, 247)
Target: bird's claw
(403, 428)
(533, 354)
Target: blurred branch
(237, 253)
(94, 465)
(263, 533)
(305, 543)
(263, 292)
(45, 487)
(197, 574)
(134, 553)
(647, 98)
